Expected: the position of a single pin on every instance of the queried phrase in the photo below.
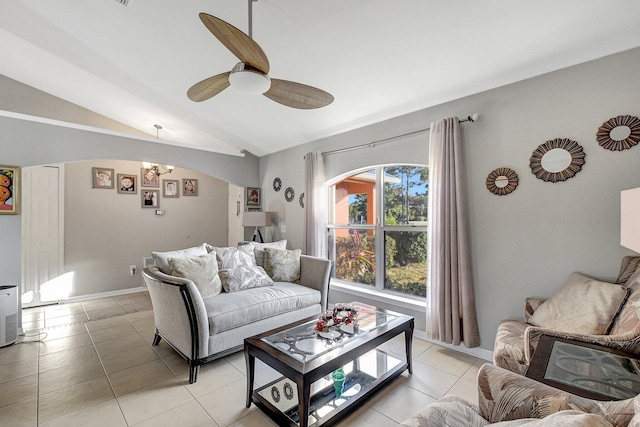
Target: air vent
(123, 2)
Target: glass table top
(612, 375)
(304, 343)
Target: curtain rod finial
(474, 117)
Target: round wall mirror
(619, 133)
(557, 160)
(502, 181)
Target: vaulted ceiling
(378, 58)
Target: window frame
(378, 226)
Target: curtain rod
(472, 118)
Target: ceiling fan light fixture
(248, 79)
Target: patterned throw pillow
(258, 249)
(243, 277)
(201, 270)
(162, 258)
(282, 265)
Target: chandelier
(157, 168)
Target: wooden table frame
(305, 374)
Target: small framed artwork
(127, 184)
(102, 178)
(9, 190)
(149, 178)
(189, 187)
(253, 196)
(150, 198)
(170, 188)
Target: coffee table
(307, 360)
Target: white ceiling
(379, 58)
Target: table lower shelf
(364, 376)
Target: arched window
(378, 228)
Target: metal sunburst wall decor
(557, 160)
(619, 133)
(502, 181)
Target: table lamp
(630, 219)
(256, 219)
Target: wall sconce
(256, 219)
(157, 169)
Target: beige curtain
(314, 205)
(451, 313)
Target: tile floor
(96, 367)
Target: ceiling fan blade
(297, 95)
(240, 44)
(208, 88)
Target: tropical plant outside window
(387, 253)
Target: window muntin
(388, 253)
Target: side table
(584, 369)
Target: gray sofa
(204, 329)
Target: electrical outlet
(133, 269)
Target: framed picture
(102, 178)
(170, 188)
(253, 196)
(150, 198)
(254, 209)
(149, 178)
(127, 184)
(9, 190)
(189, 187)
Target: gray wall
(106, 232)
(526, 243)
(26, 143)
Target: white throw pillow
(244, 277)
(282, 265)
(231, 257)
(583, 305)
(162, 258)
(201, 270)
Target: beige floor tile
(140, 315)
(213, 376)
(144, 326)
(112, 322)
(133, 297)
(367, 417)
(190, 414)
(154, 400)
(397, 346)
(162, 349)
(30, 328)
(472, 372)
(399, 401)
(105, 414)
(447, 360)
(138, 377)
(19, 369)
(114, 332)
(18, 390)
(254, 419)
(57, 310)
(118, 344)
(16, 352)
(237, 360)
(177, 364)
(65, 343)
(65, 331)
(69, 319)
(466, 389)
(105, 313)
(99, 303)
(21, 414)
(71, 357)
(133, 356)
(75, 398)
(135, 307)
(428, 380)
(32, 315)
(67, 376)
(227, 404)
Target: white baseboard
(103, 295)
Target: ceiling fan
(252, 73)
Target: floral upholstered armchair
(584, 309)
(511, 399)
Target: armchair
(505, 396)
(516, 340)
